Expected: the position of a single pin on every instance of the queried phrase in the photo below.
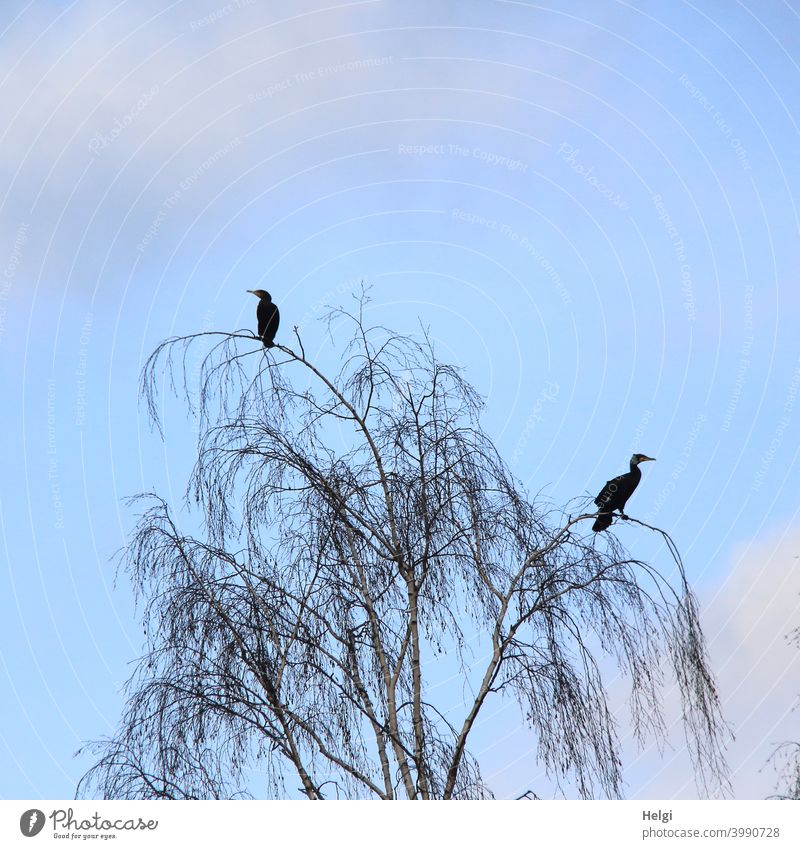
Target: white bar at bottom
(403, 825)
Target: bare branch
(349, 531)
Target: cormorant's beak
(251, 291)
(647, 458)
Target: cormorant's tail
(602, 521)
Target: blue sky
(589, 204)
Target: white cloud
(758, 668)
(110, 107)
(747, 622)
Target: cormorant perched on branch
(268, 317)
(616, 492)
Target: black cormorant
(268, 317)
(616, 492)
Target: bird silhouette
(268, 316)
(616, 492)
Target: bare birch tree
(786, 760)
(359, 539)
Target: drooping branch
(351, 530)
